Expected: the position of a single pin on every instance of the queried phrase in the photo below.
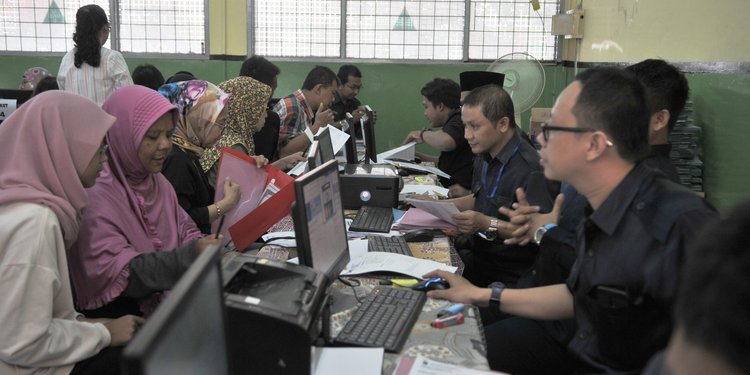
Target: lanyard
(499, 174)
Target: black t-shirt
(191, 185)
(457, 163)
(340, 108)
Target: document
(418, 168)
(338, 138)
(405, 152)
(390, 262)
(345, 361)
(424, 366)
(431, 190)
(416, 218)
(251, 218)
(443, 210)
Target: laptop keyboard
(388, 245)
(372, 219)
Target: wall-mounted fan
(524, 79)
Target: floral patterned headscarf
(199, 104)
(249, 101)
(32, 76)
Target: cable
(352, 285)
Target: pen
(451, 310)
(221, 224)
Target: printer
(273, 311)
(370, 185)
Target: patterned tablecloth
(462, 345)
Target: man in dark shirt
(503, 163)
(345, 98)
(629, 247)
(267, 138)
(441, 101)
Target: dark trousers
(522, 346)
(107, 362)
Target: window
(151, 26)
(406, 29)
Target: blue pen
(451, 310)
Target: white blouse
(94, 83)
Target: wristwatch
(491, 233)
(497, 290)
(541, 231)
(421, 134)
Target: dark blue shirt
(457, 162)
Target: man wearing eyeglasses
(628, 248)
(345, 98)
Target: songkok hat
(473, 79)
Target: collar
(505, 154)
(662, 150)
(303, 103)
(613, 209)
(336, 98)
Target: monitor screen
(187, 333)
(325, 146)
(319, 221)
(371, 152)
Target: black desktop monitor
(313, 156)
(19, 96)
(319, 221)
(325, 146)
(187, 333)
(371, 152)
(350, 147)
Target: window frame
(114, 40)
(558, 49)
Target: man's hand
(323, 117)
(122, 329)
(460, 291)
(529, 215)
(290, 161)
(413, 136)
(470, 222)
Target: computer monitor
(350, 147)
(319, 221)
(17, 97)
(313, 156)
(371, 152)
(187, 333)
(325, 146)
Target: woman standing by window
(90, 69)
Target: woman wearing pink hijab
(135, 240)
(50, 150)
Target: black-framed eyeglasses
(548, 128)
(353, 88)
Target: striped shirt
(295, 116)
(94, 83)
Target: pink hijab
(47, 144)
(131, 210)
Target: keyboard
(372, 219)
(396, 245)
(384, 319)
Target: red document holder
(248, 221)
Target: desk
(462, 345)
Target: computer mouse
(419, 235)
(402, 172)
(436, 283)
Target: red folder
(248, 221)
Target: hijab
(199, 104)
(249, 101)
(47, 145)
(131, 210)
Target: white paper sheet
(405, 152)
(432, 190)
(345, 361)
(390, 262)
(338, 138)
(418, 167)
(441, 209)
(425, 366)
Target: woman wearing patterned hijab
(135, 240)
(246, 114)
(202, 109)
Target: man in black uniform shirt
(629, 246)
(441, 101)
(267, 139)
(503, 163)
(345, 98)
